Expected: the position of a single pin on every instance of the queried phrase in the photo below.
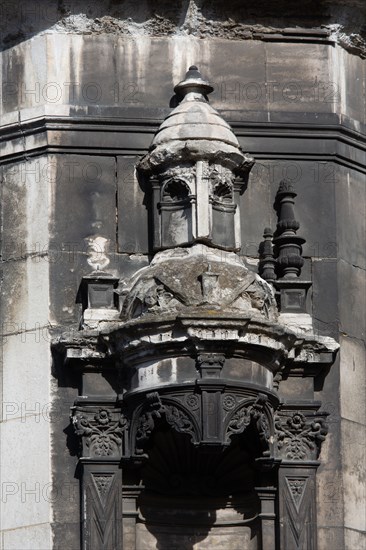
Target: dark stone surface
(314, 183)
(352, 300)
(66, 270)
(133, 215)
(66, 534)
(291, 388)
(100, 384)
(350, 199)
(84, 200)
(325, 297)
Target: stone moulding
(279, 346)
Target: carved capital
(101, 430)
(299, 437)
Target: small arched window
(223, 212)
(176, 213)
(175, 191)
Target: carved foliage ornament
(175, 416)
(300, 438)
(103, 484)
(255, 413)
(101, 429)
(296, 487)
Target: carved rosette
(299, 437)
(101, 430)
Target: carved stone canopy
(196, 171)
(194, 131)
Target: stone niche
(196, 345)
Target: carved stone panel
(102, 506)
(297, 504)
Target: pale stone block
(9, 118)
(26, 488)
(12, 146)
(26, 71)
(36, 537)
(353, 437)
(33, 112)
(26, 190)
(329, 497)
(26, 295)
(331, 538)
(353, 379)
(352, 299)
(354, 539)
(26, 376)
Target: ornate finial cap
(286, 187)
(193, 82)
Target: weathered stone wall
(82, 96)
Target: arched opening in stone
(196, 499)
(223, 211)
(176, 213)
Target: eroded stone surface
(198, 278)
(343, 21)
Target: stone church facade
(183, 276)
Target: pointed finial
(287, 243)
(193, 82)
